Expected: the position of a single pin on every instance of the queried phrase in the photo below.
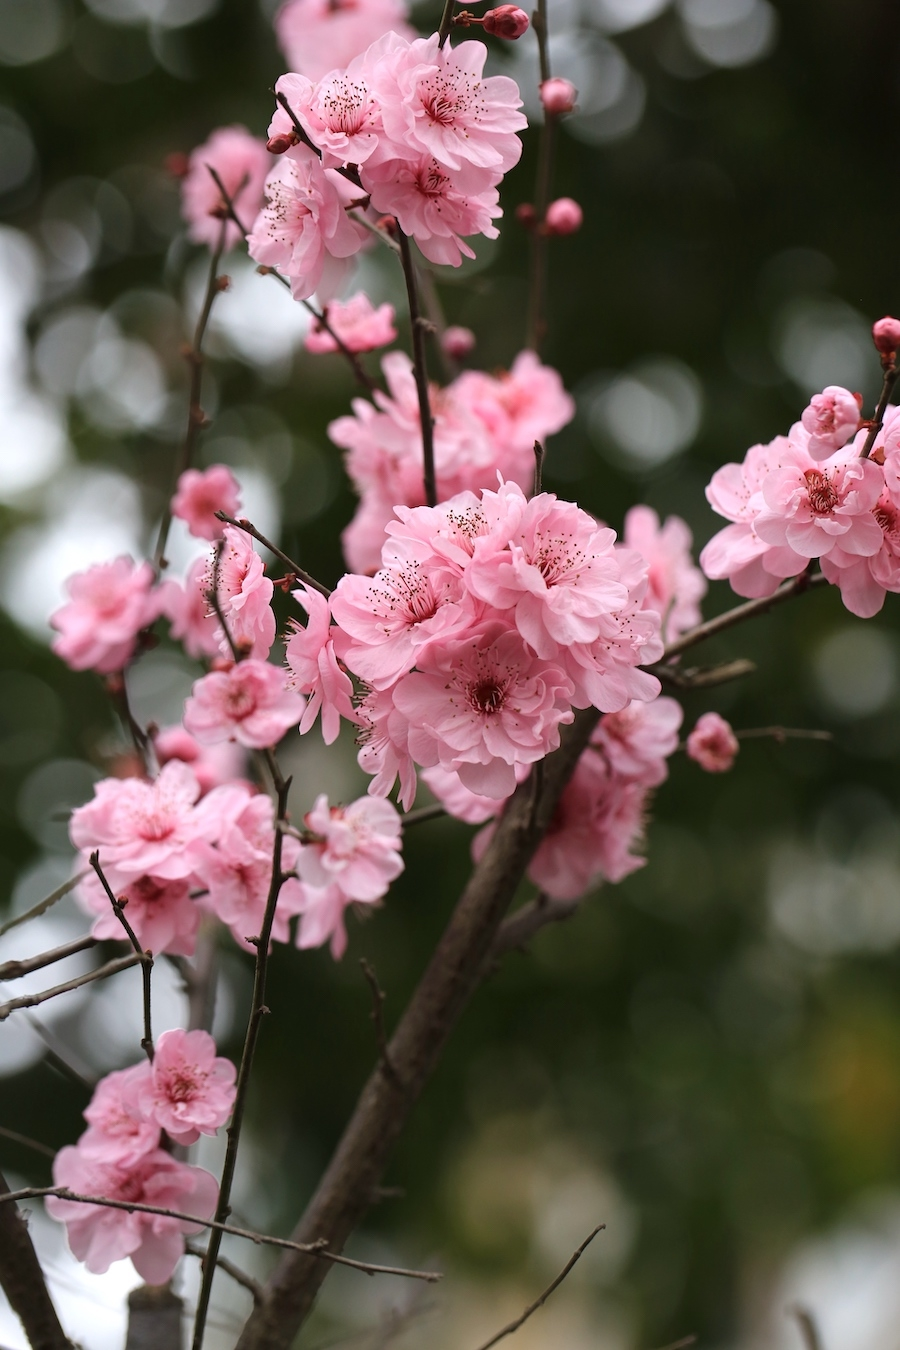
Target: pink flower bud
(558, 96)
(525, 215)
(458, 342)
(886, 335)
(177, 164)
(277, 145)
(564, 216)
(506, 21)
(712, 744)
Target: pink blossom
(384, 746)
(142, 828)
(675, 585)
(304, 231)
(318, 36)
(637, 741)
(564, 216)
(831, 418)
(248, 703)
(200, 495)
(242, 162)
(117, 1133)
(338, 112)
(863, 582)
(212, 764)
(712, 743)
(558, 96)
(506, 21)
(458, 801)
(481, 704)
(886, 335)
(188, 610)
(321, 910)
(162, 914)
(110, 603)
(314, 667)
(98, 1235)
(357, 323)
(436, 102)
(458, 342)
(434, 205)
(814, 507)
(244, 594)
(528, 403)
(358, 848)
(189, 1090)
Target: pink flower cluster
(410, 128)
(187, 1091)
(483, 425)
(809, 495)
(242, 162)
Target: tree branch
(23, 1280)
(731, 617)
(15, 970)
(34, 1000)
(420, 366)
(298, 571)
(145, 958)
(43, 905)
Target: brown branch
(298, 571)
(377, 1016)
(537, 279)
(542, 1298)
(446, 20)
(14, 970)
(118, 691)
(420, 367)
(23, 1280)
(681, 1344)
(740, 613)
(422, 814)
(63, 1057)
(239, 1276)
(145, 958)
(809, 1329)
(891, 374)
(520, 927)
(704, 677)
(318, 1249)
(782, 734)
(34, 1144)
(212, 596)
(34, 1000)
(43, 905)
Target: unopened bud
(886, 335)
(276, 145)
(388, 224)
(506, 21)
(458, 342)
(525, 215)
(558, 96)
(564, 216)
(177, 164)
(223, 282)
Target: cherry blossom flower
(357, 323)
(814, 507)
(99, 1235)
(162, 914)
(141, 828)
(304, 231)
(831, 418)
(109, 605)
(338, 112)
(314, 667)
(434, 205)
(675, 585)
(358, 848)
(248, 703)
(117, 1133)
(201, 494)
(637, 741)
(321, 910)
(318, 36)
(189, 1090)
(864, 582)
(187, 607)
(212, 764)
(525, 404)
(384, 746)
(242, 162)
(712, 744)
(244, 593)
(458, 801)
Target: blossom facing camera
(201, 494)
(506, 21)
(886, 335)
(558, 96)
(712, 744)
(564, 216)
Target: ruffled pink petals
(812, 507)
(712, 744)
(359, 325)
(189, 1090)
(109, 604)
(358, 848)
(249, 703)
(200, 494)
(244, 594)
(831, 418)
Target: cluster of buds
(563, 216)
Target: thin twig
(43, 905)
(741, 612)
(782, 734)
(318, 1249)
(27, 1142)
(377, 1016)
(891, 374)
(542, 1299)
(704, 677)
(435, 310)
(118, 692)
(258, 1010)
(420, 366)
(300, 572)
(101, 973)
(144, 957)
(349, 172)
(446, 20)
(239, 1276)
(62, 1057)
(382, 235)
(14, 970)
(538, 467)
(808, 1327)
(422, 814)
(537, 281)
(196, 418)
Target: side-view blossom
(357, 847)
(250, 704)
(637, 741)
(359, 325)
(200, 494)
(189, 1090)
(237, 575)
(675, 585)
(314, 667)
(831, 418)
(242, 162)
(437, 207)
(108, 606)
(712, 744)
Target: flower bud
(558, 96)
(525, 215)
(506, 21)
(886, 335)
(177, 164)
(458, 342)
(276, 145)
(564, 216)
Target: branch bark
(23, 1281)
(154, 1318)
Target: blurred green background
(708, 1056)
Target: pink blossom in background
(813, 507)
(244, 593)
(212, 764)
(186, 606)
(436, 207)
(321, 910)
(304, 231)
(242, 162)
(98, 1236)
(564, 216)
(189, 1090)
(458, 342)
(315, 671)
(109, 604)
(525, 404)
(831, 418)
(675, 585)
(117, 1133)
(200, 494)
(358, 849)
(249, 703)
(142, 828)
(712, 744)
(318, 36)
(162, 914)
(360, 326)
(637, 741)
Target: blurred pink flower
(201, 494)
(357, 323)
(712, 744)
(250, 704)
(110, 603)
(242, 162)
